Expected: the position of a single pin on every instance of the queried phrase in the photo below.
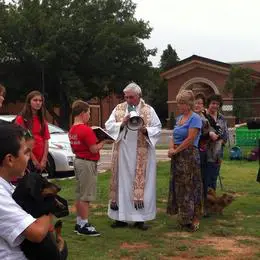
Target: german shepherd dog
(37, 196)
(216, 204)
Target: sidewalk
(106, 157)
(159, 152)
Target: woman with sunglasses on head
(185, 187)
(32, 117)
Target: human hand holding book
(102, 135)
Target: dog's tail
(58, 227)
(61, 244)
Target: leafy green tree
(157, 92)
(169, 58)
(241, 84)
(71, 49)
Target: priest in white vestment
(133, 181)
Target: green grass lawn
(235, 235)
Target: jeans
(212, 173)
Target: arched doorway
(200, 85)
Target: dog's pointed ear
(34, 185)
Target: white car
(60, 157)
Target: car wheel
(50, 167)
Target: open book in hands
(102, 135)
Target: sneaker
(76, 228)
(88, 230)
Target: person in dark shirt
(199, 108)
(218, 138)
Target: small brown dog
(216, 204)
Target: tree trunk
(52, 112)
(101, 112)
(65, 111)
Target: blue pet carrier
(235, 153)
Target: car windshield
(55, 129)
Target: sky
(224, 30)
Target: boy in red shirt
(85, 146)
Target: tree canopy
(241, 84)
(157, 93)
(71, 48)
(169, 58)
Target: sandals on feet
(195, 225)
(192, 227)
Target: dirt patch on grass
(98, 206)
(239, 215)
(72, 209)
(178, 234)
(237, 194)
(232, 247)
(160, 210)
(162, 200)
(134, 246)
(100, 213)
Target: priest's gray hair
(134, 88)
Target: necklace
(184, 118)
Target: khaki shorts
(86, 179)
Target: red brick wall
(219, 79)
(100, 111)
(15, 108)
(107, 106)
(175, 83)
(255, 65)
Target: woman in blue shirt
(185, 190)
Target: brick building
(203, 75)
(100, 109)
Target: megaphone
(134, 122)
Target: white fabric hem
(131, 217)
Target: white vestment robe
(127, 167)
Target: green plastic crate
(247, 137)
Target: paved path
(105, 161)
